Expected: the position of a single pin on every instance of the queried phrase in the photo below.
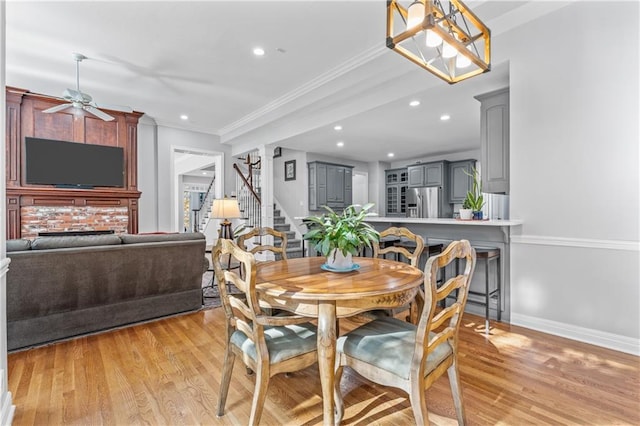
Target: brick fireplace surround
(35, 219)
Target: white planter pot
(337, 260)
(466, 214)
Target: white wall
(377, 185)
(574, 172)
(147, 175)
(157, 193)
(293, 195)
(6, 406)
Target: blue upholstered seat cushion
(388, 343)
(283, 342)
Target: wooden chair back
(435, 328)
(240, 310)
(413, 255)
(280, 250)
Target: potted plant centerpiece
(339, 236)
(474, 199)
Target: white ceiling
(325, 64)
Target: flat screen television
(71, 164)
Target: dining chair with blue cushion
(267, 345)
(411, 357)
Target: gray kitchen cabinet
(416, 176)
(460, 180)
(494, 140)
(428, 174)
(329, 185)
(396, 192)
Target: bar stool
(488, 255)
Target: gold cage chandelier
(443, 37)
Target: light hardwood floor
(167, 372)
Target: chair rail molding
(576, 242)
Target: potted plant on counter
(466, 212)
(339, 236)
(474, 199)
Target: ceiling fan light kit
(77, 99)
(443, 37)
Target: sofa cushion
(157, 238)
(18, 245)
(45, 243)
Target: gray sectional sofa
(60, 287)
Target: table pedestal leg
(327, 357)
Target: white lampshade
(448, 51)
(462, 61)
(225, 208)
(433, 39)
(415, 14)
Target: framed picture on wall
(277, 152)
(290, 170)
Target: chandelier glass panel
(443, 37)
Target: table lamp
(225, 209)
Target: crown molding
(347, 66)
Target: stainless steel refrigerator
(427, 202)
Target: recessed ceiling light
(258, 51)
(414, 103)
(337, 128)
(340, 144)
(445, 117)
(184, 117)
(204, 173)
(390, 154)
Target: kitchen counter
(480, 233)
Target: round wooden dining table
(301, 286)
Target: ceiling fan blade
(122, 108)
(57, 108)
(95, 111)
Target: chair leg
(337, 398)
(415, 308)
(227, 369)
(419, 403)
(259, 394)
(456, 391)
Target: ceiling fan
(80, 100)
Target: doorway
(360, 188)
(193, 171)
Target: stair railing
(204, 202)
(247, 190)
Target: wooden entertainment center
(26, 119)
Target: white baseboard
(600, 338)
(7, 409)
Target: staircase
(248, 185)
(204, 213)
(294, 245)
